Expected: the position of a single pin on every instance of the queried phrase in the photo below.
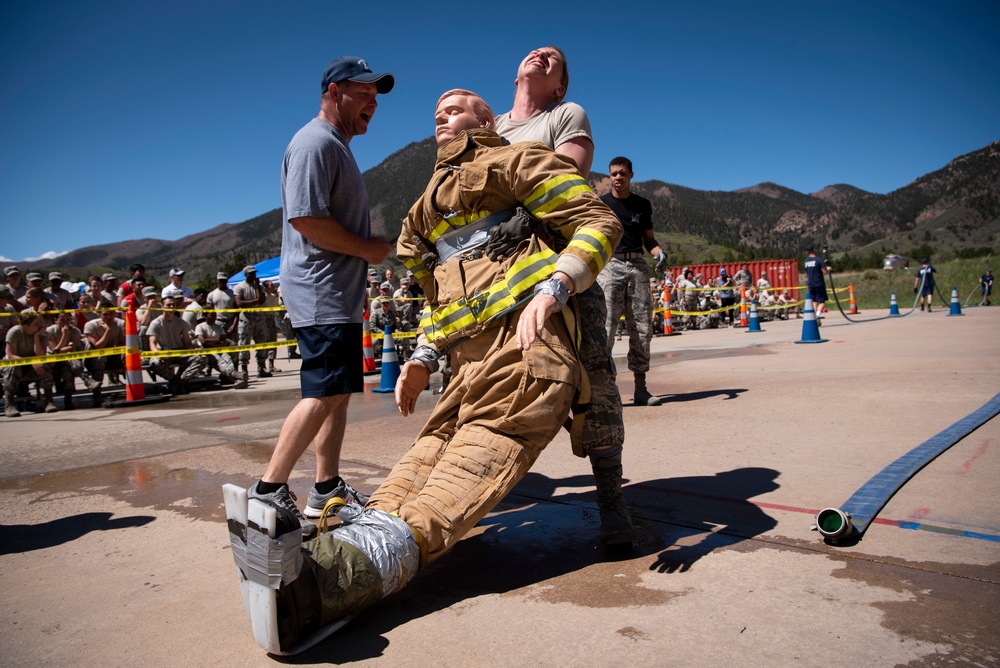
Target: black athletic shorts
(332, 360)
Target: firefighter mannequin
(510, 335)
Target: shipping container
(782, 274)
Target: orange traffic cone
(668, 324)
(134, 388)
(368, 350)
(744, 319)
(854, 304)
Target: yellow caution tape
(395, 335)
(146, 354)
(63, 357)
(190, 352)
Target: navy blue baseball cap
(352, 68)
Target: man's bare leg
(329, 440)
(322, 419)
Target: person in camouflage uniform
(382, 315)
(250, 294)
(625, 279)
(541, 113)
(688, 299)
(708, 304)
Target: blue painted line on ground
(866, 503)
(920, 526)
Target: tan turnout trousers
(502, 407)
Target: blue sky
(125, 120)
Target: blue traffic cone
(956, 308)
(810, 328)
(754, 320)
(390, 363)
(893, 306)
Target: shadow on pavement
(17, 538)
(704, 394)
(541, 531)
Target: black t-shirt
(636, 215)
(929, 271)
(814, 271)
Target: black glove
(914, 291)
(661, 262)
(505, 237)
(430, 259)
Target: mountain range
(944, 213)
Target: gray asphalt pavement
(115, 550)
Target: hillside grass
(873, 287)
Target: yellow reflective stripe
(525, 273)
(594, 243)
(454, 222)
(417, 267)
(486, 305)
(554, 193)
(441, 228)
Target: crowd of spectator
(711, 302)
(174, 318)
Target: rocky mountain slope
(953, 208)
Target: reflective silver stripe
(470, 236)
(133, 377)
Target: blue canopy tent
(266, 271)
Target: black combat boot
(616, 525)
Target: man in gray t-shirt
(222, 298)
(326, 245)
(170, 332)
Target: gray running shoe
(284, 498)
(314, 507)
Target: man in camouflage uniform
(625, 280)
(250, 295)
(708, 304)
(687, 295)
(210, 334)
(382, 315)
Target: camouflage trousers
(626, 292)
(603, 427)
(169, 367)
(64, 375)
(222, 363)
(271, 335)
(252, 327)
(15, 375)
(97, 366)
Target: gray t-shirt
(169, 335)
(192, 314)
(53, 335)
(117, 327)
(247, 292)
(222, 299)
(320, 178)
(22, 343)
(556, 124)
(210, 332)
